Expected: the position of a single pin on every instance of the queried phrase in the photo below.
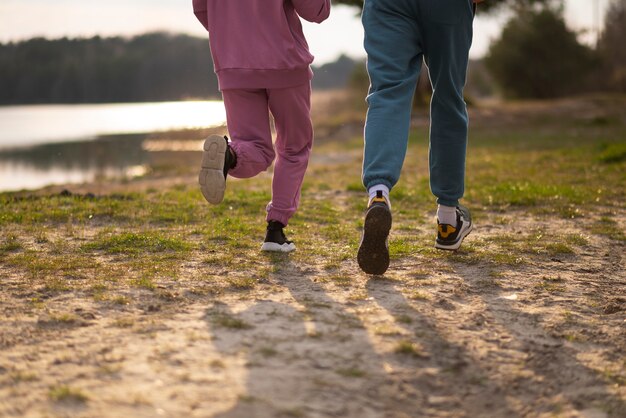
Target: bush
(537, 56)
(611, 47)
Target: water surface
(58, 144)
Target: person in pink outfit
(262, 62)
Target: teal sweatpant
(399, 36)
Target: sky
(342, 33)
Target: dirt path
(432, 338)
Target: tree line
(151, 67)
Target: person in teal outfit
(400, 35)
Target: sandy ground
(432, 338)
(464, 345)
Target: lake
(57, 144)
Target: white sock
(446, 214)
(379, 187)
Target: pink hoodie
(259, 43)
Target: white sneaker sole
(453, 247)
(278, 248)
(211, 178)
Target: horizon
(341, 34)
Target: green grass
(10, 243)
(242, 283)
(608, 227)
(558, 248)
(133, 243)
(613, 153)
(550, 284)
(225, 320)
(399, 247)
(351, 372)
(23, 376)
(64, 393)
(268, 351)
(409, 348)
(418, 295)
(39, 265)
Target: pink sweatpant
(247, 115)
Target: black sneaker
(275, 239)
(450, 237)
(217, 159)
(373, 255)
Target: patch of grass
(228, 321)
(242, 283)
(59, 209)
(267, 352)
(400, 247)
(386, 330)
(217, 364)
(291, 413)
(120, 300)
(57, 285)
(312, 303)
(409, 348)
(340, 279)
(355, 187)
(40, 265)
(526, 193)
(573, 337)
(110, 369)
(126, 322)
(404, 319)
(334, 256)
(351, 372)
(358, 295)
(144, 282)
(263, 273)
(615, 377)
(64, 393)
(40, 236)
(608, 227)
(613, 153)
(550, 284)
(98, 292)
(556, 248)
(568, 316)
(23, 376)
(418, 295)
(10, 243)
(64, 318)
(577, 239)
(490, 282)
(216, 258)
(37, 303)
(135, 243)
(535, 243)
(60, 246)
